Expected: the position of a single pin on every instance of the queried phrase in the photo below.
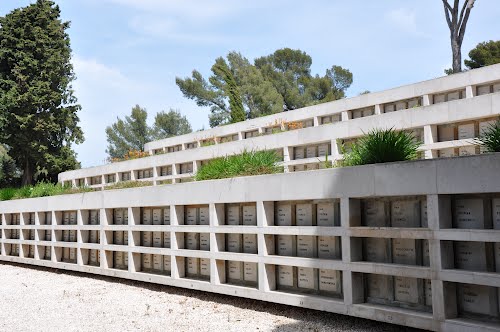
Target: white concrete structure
(413, 243)
(445, 113)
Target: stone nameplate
(322, 150)
(405, 213)
(48, 218)
(158, 262)
(426, 254)
(496, 213)
(325, 214)
(31, 251)
(235, 270)
(299, 168)
(472, 256)
(193, 266)
(234, 242)
(193, 241)
(146, 217)
(467, 151)
(118, 217)
(311, 152)
(485, 126)
(310, 167)
(376, 250)
(469, 213)
(48, 253)
(249, 215)
(304, 214)
(298, 152)
(125, 238)
(423, 213)
(406, 289)
(93, 256)
(125, 259)
(72, 236)
(307, 246)
(205, 241)
(466, 131)
(167, 263)
(65, 219)
(147, 239)
(118, 259)
(118, 238)
(157, 239)
(94, 217)
(250, 243)
(65, 235)
(446, 133)
(205, 267)
(307, 278)
(404, 251)
(125, 216)
(389, 108)
(497, 256)
(328, 247)
(48, 235)
(378, 286)
(330, 281)
(204, 216)
(233, 215)
(447, 153)
(413, 103)
(286, 276)
(166, 239)
(286, 245)
(374, 213)
(166, 216)
(453, 95)
(250, 272)
(147, 262)
(72, 254)
(496, 87)
(482, 90)
(477, 299)
(284, 215)
(72, 218)
(191, 216)
(157, 217)
(428, 292)
(400, 106)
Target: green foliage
(490, 139)
(9, 173)
(38, 111)
(168, 124)
(273, 83)
(7, 194)
(41, 189)
(244, 164)
(382, 146)
(484, 54)
(129, 184)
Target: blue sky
(128, 52)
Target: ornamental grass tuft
(490, 139)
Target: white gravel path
(37, 299)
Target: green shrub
(490, 139)
(382, 146)
(244, 164)
(41, 189)
(7, 194)
(128, 184)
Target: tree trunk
(457, 55)
(27, 174)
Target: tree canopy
(171, 123)
(238, 90)
(38, 110)
(484, 54)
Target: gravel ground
(38, 299)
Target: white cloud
(404, 19)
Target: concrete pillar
(336, 152)
(430, 137)
(469, 91)
(344, 116)
(286, 158)
(426, 100)
(378, 109)
(316, 121)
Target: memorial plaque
(65, 235)
(125, 216)
(125, 238)
(428, 292)
(167, 263)
(378, 286)
(118, 220)
(94, 217)
(234, 242)
(400, 106)
(471, 256)
(93, 256)
(193, 241)
(453, 96)
(205, 267)
(406, 289)
(250, 215)
(298, 152)
(250, 243)
(191, 216)
(166, 216)
(307, 246)
(466, 131)
(147, 239)
(118, 238)
(405, 213)
(250, 272)
(469, 213)
(330, 281)
(286, 276)
(413, 103)
(374, 213)
(72, 254)
(356, 114)
(48, 253)
(205, 241)
(446, 133)
(423, 213)
(447, 153)
(497, 256)
(483, 89)
(72, 236)
(48, 218)
(233, 215)
(389, 108)
(496, 213)
(146, 216)
(157, 239)
(426, 255)
(158, 263)
(307, 278)
(323, 150)
(328, 247)
(311, 151)
(65, 218)
(32, 234)
(166, 239)
(467, 150)
(286, 245)
(298, 168)
(284, 215)
(204, 216)
(72, 218)
(376, 250)
(125, 260)
(304, 214)
(496, 87)
(477, 299)
(234, 270)
(118, 259)
(311, 167)
(193, 266)
(325, 214)
(157, 217)
(404, 251)
(31, 251)
(147, 263)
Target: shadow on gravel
(308, 319)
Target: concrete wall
(412, 243)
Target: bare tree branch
(447, 5)
(461, 33)
(447, 10)
(462, 13)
